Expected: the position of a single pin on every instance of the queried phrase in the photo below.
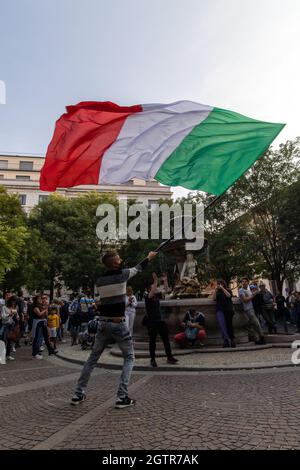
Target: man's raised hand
(151, 255)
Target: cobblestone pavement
(187, 410)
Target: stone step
(282, 338)
(115, 351)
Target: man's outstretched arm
(141, 266)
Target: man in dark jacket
(156, 324)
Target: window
(22, 199)
(152, 201)
(23, 177)
(43, 197)
(3, 164)
(28, 166)
(1, 177)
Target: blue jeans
(41, 333)
(108, 332)
(3, 336)
(222, 324)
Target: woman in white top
(9, 317)
(131, 304)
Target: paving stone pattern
(224, 410)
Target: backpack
(191, 333)
(74, 307)
(84, 305)
(93, 326)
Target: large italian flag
(179, 144)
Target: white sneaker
(10, 358)
(42, 348)
(63, 341)
(38, 356)
(13, 349)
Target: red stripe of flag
(80, 138)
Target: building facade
(20, 174)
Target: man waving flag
(179, 144)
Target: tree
(228, 256)
(255, 200)
(13, 232)
(290, 227)
(32, 268)
(71, 246)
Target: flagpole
(166, 242)
(210, 204)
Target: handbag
(14, 334)
(2, 352)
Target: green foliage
(13, 232)
(249, 214)
(290, 226)
(68, 226)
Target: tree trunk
(279, 282)
(51, 289)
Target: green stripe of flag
(217, 152)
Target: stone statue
(189, 268)
(187, 283)
(185, 276)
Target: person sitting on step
(193, 325)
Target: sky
(241, 55)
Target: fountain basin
(175, 309)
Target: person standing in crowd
(145, 293)
(25, 317)
(283, 311)
(29, 316)
(74, 320)
(58, 304)
(39, 326)
(131, 304)
(225, 312)
(268, 308)
(297, 311)
(2, 301)
(85, 306)
(156, 325)
(290, 301)
(253, 324)
(138, 295)
(64, 315)
(257, 303)
(53, 323)
(21, 313)
(92, 308)
(112, 325)
(14, 331)
(9, 317)
(193, 325)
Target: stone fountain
(188, 292)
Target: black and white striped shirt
(112, 289)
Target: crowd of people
(44, 325)
(41, 323)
